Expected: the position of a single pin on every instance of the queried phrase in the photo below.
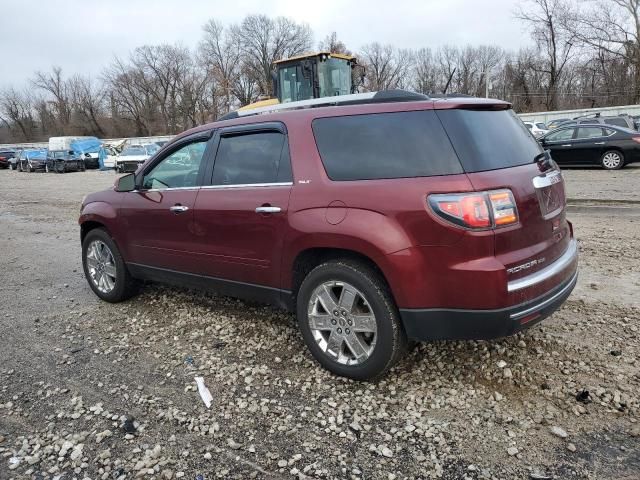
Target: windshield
(134, 150)
(334, 77)
(152, 148)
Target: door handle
(178, 209)
(268, 209)
(599, 143)
(566, 145)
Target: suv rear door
(496, 152)
(241, 211)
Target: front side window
(178, 170)
(253, 158)
(566, 134)
(588, 132)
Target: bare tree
(386, 67)
(332, 44)
(547, 22)
(55, 85)
(16, 109)
(264, 40)
(87, 101)
(612, 29)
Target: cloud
(84, 36)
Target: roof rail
(383, 96)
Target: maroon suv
(377, 222)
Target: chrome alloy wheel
(342, 323)
(612, 160)
(101, 266)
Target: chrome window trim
(540, 276)
(163, 189)
(245, 185)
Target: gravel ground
(93, 390)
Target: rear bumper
(456, 324)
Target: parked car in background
(589, 144)
(377, 222)
(5, 158)
(537, 128)
(557, 122)
(64, 161)
(87, 148)
(13, 161)
(31, 160)
(135, 155)
(624, 121)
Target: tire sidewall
(620, 165)
(119, 292)
(383, 308)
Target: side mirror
(126, 183)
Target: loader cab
(316, 75)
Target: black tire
(391, 342)
(60, 167)
(125, 286)
(606, 160)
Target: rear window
(385, 145)
(489, 140)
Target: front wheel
(61, 167)
(104, 267)
(612, 160)
(349, 320)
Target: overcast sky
(82, 36)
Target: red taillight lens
(477, 210)
(636, 139)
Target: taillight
(477, 210)
(636, 138)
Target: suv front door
(158, 215)
(241, 215)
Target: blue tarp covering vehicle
(86, 145)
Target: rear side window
(384, 145)
(489, 140)
(620, 122)
(261, 157)
(589, 132)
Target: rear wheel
(104, 267)
(612, 160)
(349, 320)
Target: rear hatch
(497, 152)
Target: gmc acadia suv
(378, 222)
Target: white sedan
(133, 156)
(537, 128)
